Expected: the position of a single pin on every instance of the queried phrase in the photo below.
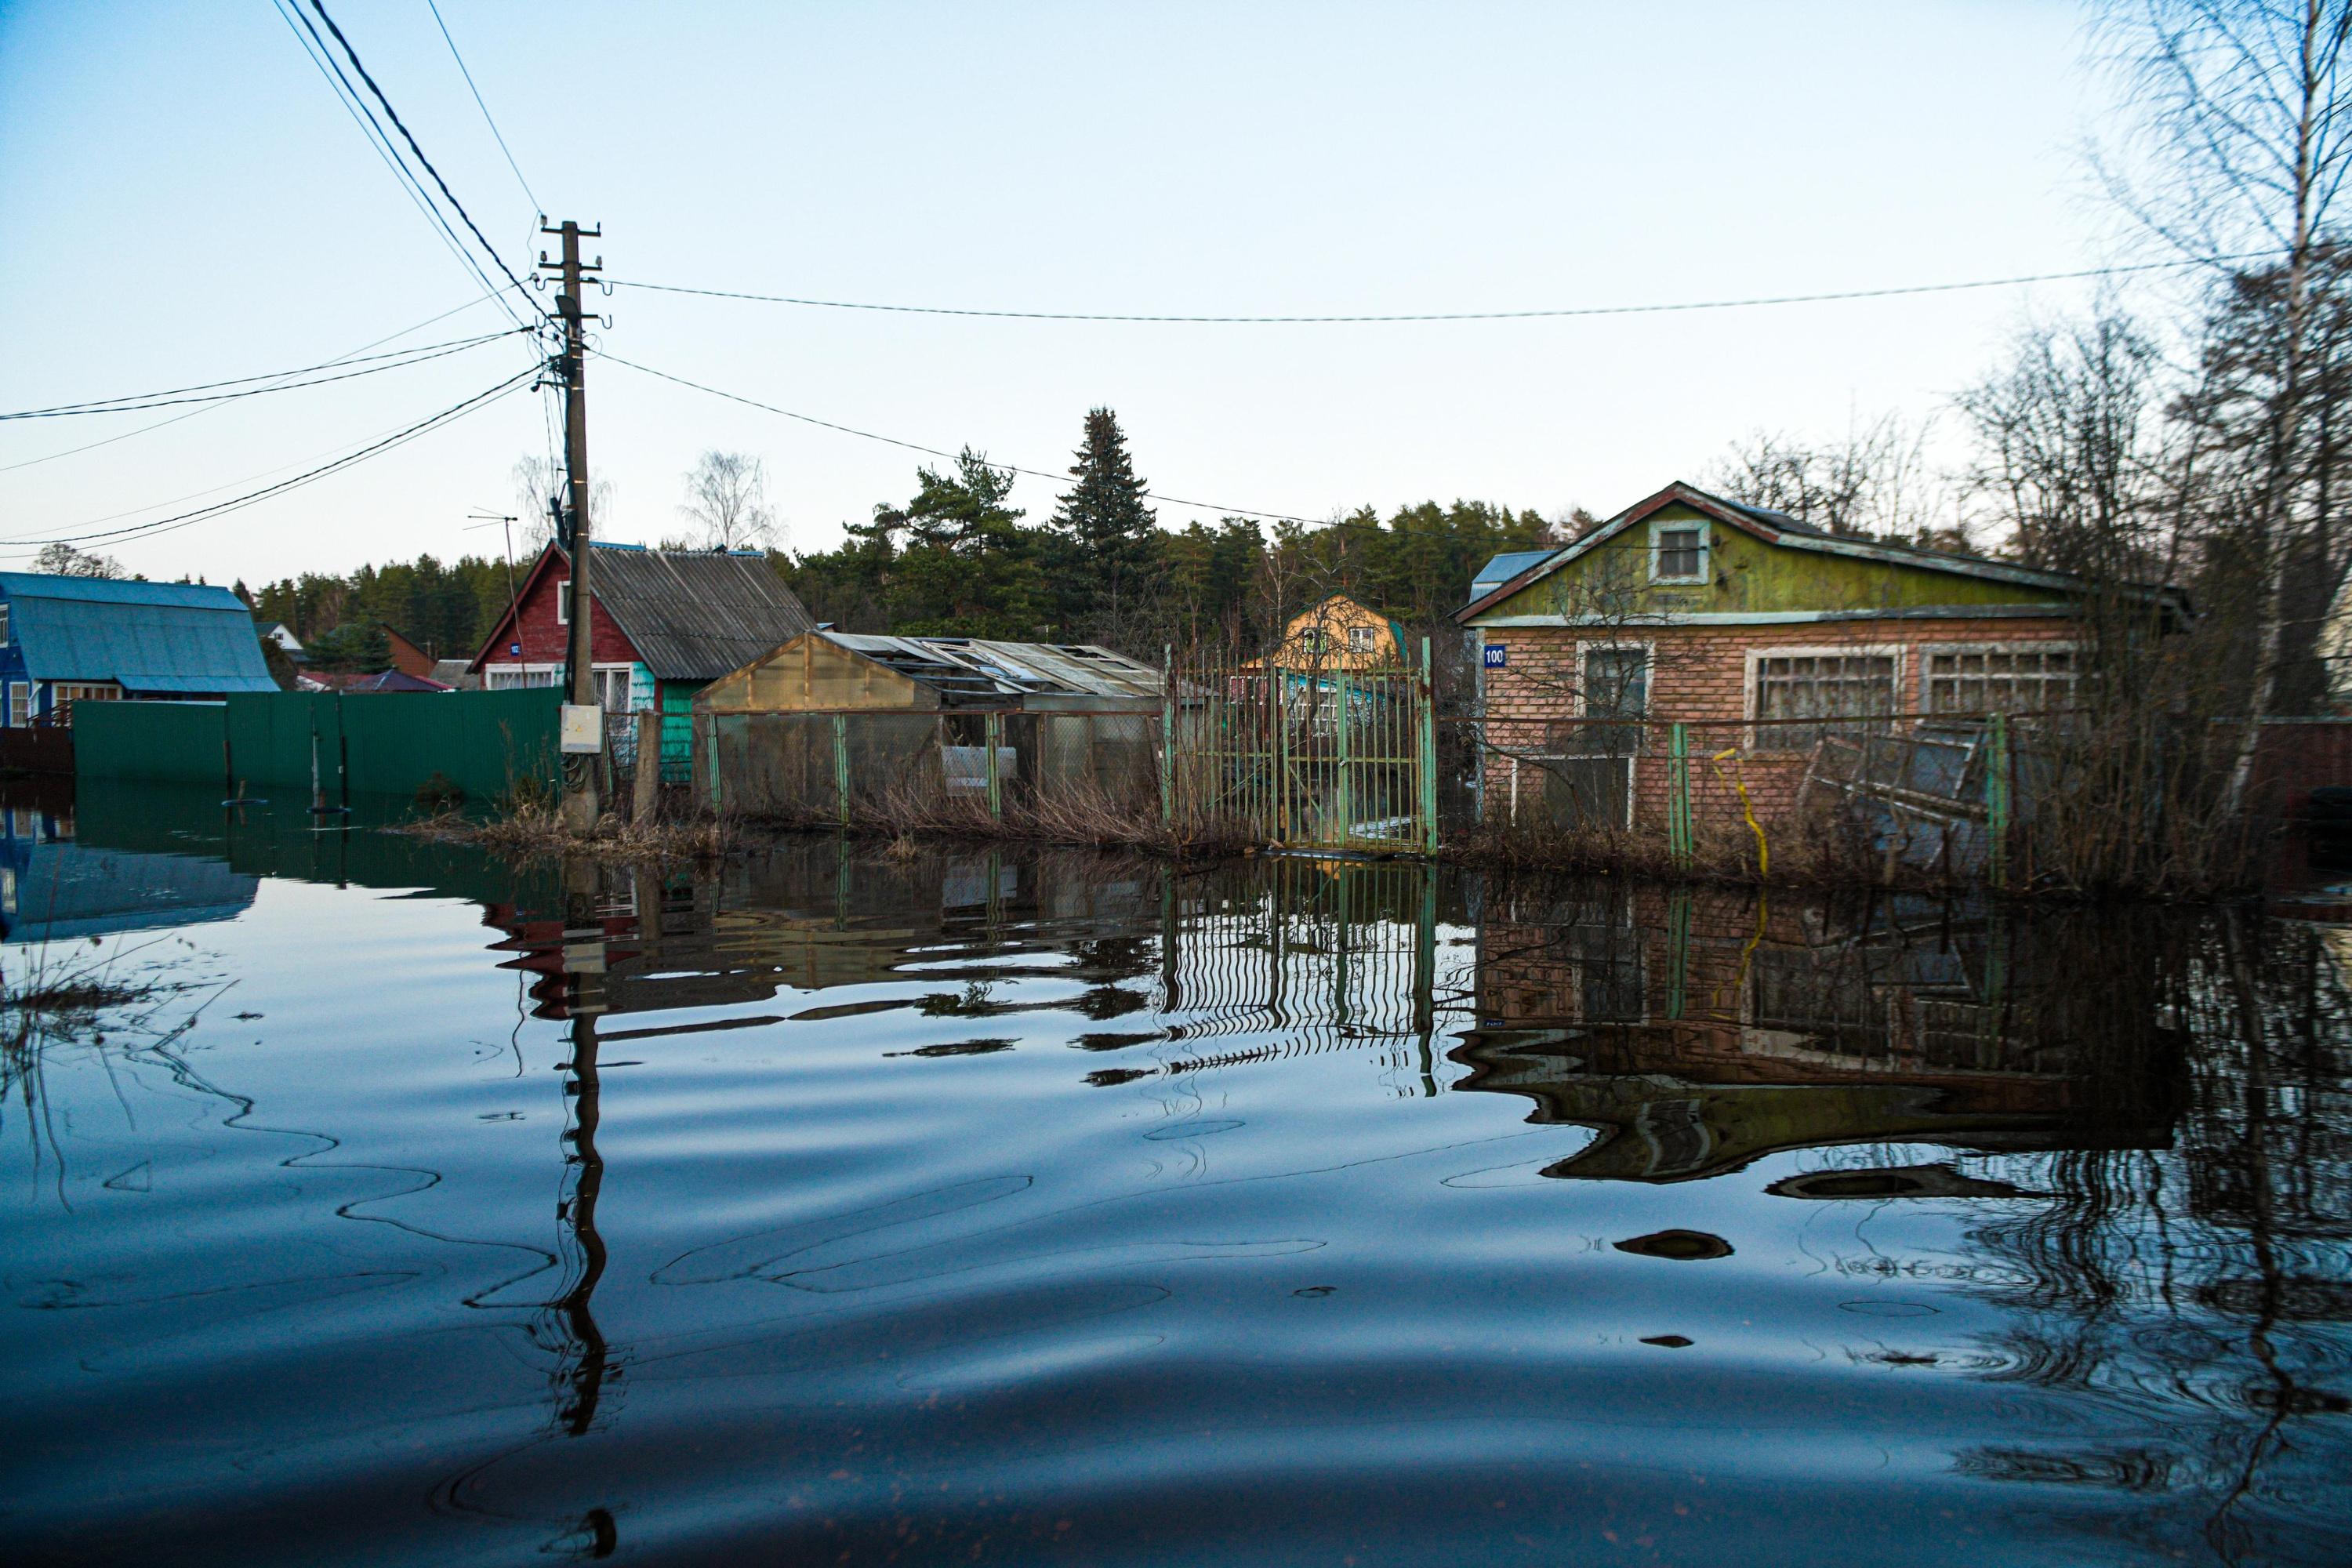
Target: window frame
(1659, 528)
(563, 603)
(1371, 637)
(1928, 652)
(6, 630)
(1752, 684)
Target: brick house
(1764, 632)
(665, 623)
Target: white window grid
(1965, 679)
(1795, 737)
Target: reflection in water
(998, 1204)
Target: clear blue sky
(182, 199)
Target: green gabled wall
(1751, 577)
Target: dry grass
(532, 828)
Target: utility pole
(580, 804)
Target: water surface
(1043, 1207)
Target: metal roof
(1502, 569)
(159, 637)
(695, 614)
(981, 671)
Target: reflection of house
(54, 889)
(65, 640)
(666, 624)
(1766, 631)
(1696, 1041)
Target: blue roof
(163, 638)
(1505, 567)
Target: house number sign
(1497, 656)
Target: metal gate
(1308, 757)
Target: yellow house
(1339, 634)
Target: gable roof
(692, 615)
(163, 638)
(1781, 529)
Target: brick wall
(1698, 675)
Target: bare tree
(1875, 482)
(2244, 127)
(2065, 452)
(726, 501)
(539, 487)
(60, 560)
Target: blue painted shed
(85, 640)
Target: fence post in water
(1426, 750)
(840, 767)
(993, 735)
(1281, 719)
(1678, 934)
(644, 775)
(1997, 798)
(1678, 802)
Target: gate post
(1168, 735)
(840, 767)
(993, 734)
(1679, 837)
(1425, 750)
(1997, 801)
(1281, 715)
(1340, 782)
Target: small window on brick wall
(1999, 679)
(1835, 689)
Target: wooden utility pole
(580, 803)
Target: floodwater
(1039, 1207)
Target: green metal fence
(376, 743)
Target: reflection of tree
(2198, 1291)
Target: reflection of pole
(583, 967)
(1678, 932)
(1168, 938)
(1340, 995)
(578, 1412)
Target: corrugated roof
(980, 671)
(161, 638)
(695, 614)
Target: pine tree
(1108, 530)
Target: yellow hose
(1763, 850)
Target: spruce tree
(1108, 530)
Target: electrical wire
(399, 359)
(1062, 478)
(186, 518)
(1564, 312)
(447, 195)
(206, 408)
(321, 58)
(486, 120)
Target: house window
(66, 693)
(20, 704)
(563, 603)
(4, 626)
(1834, 687)
(1363, 639)
(1678, 553)
(1312, 639)
(1995, 679)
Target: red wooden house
(664, 623)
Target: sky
(184, 200)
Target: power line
(399, 359)
(338, 82)
(1062, 478)
(206, 408)
(1563, 312)
(486, 120)
(447, 195)
(182, 520)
